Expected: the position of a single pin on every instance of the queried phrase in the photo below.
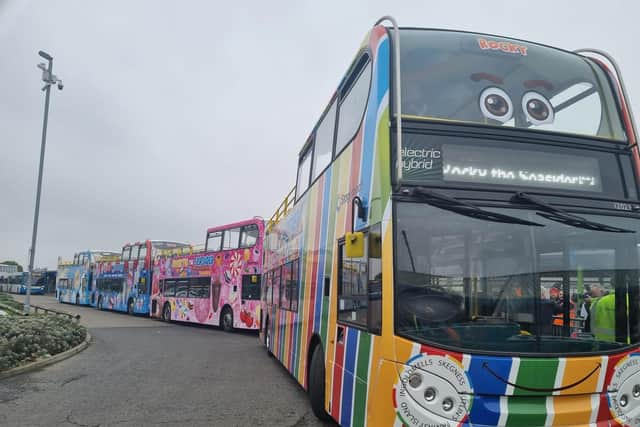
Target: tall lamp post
(49, 79)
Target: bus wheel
(130, 306)
(166, 313)
(267, 338)
(227, 319)
(317, 384)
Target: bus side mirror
(354, 244)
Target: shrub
(25, 339)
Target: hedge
(25, 339)
(6, 299)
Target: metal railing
(71, 316)
(282, 209)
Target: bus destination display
(498, 166)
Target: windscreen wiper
(442, 201)
(559, 215)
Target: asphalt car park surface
(138, 371)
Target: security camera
(60, 85)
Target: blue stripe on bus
(302, 271)
(348, 375)
(379, 88)
(326, 202)
(383, 70)
(485, 410)
(483, 380)
(283, 335)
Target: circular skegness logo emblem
(624, 391)
(433, 391)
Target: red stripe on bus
(337, 378)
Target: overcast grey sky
(179, 115)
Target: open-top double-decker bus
(123, 282)
(462, 243)
(218, 285)
(74, 278)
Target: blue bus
(123, 282)
(16, 283)
(74, 278)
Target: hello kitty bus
(218, 285)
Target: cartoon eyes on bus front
(496, 104)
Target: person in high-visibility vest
(603, 317)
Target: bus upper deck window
(445, 75)
(353, 104)
(231, 239)
(143, 252)
(324, 141)
(249, 236)
(214, 241)
(304, 170)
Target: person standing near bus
(603, 317)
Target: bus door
(359, 312)
(127, 266)
(143, 271)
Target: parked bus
(16, 283)
(453, 181)
(47, 281)
(219, 285)
(74, 279)
(122, 282)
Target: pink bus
(219, 285)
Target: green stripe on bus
(362, 379)
(330, 243)
(302, 313)
(536, 373)
(404, 423)
(526, 411)
(325, 315)
(381, 171)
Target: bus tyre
(267, 338)
(166, 312)
(130, 306)
(317, 384)
(226, 319)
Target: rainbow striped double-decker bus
(74, 278)
(462, 243)
(123, 282)
(218, 284)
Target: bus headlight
(431, 397)
(624, 392)
(430, 394)
(415, 380)
(623, 400)
(447, 404)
